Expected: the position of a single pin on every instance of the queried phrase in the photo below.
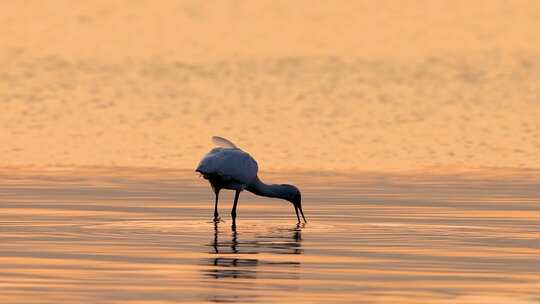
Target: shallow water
(133, 236)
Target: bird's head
(292, 194)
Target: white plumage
(231, 164)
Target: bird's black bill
(302, 212)
(296, 207)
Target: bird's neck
(259, 188)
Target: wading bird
(228, 167)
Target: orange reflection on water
(131, 236)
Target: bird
(229, 167)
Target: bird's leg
(234, 240)
(216, 234)
(216, 215)
(233, 211)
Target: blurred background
(301, 85)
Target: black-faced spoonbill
(228, 167)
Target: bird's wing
(229, 163)
(223, 142)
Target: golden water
(145, 236)
(355, 85)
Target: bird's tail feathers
(223, 142)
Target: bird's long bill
(297, 206)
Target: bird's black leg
(216, 215)
(233, 211)
(216, 240)
(234, 240)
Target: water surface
(355, 85)
(134, 236)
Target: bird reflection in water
(279, 241)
